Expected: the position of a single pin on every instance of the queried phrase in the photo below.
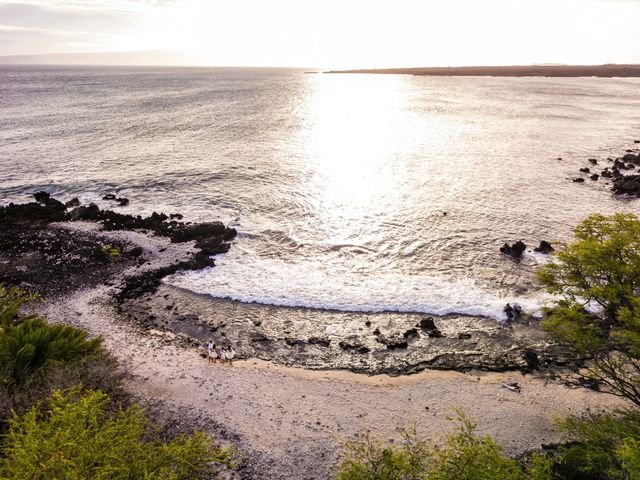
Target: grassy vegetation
(65, 415)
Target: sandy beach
(291, 422)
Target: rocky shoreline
(55, 249)
(102, 271)
(612, 174)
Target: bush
(603, 447)
(369, 459)
(29, 345)
(98, 373)
(110, 251)
(76, 438)
(464, 456)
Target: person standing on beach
(211, 352)
(223, 356)
(230, 354)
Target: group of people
(224, 354)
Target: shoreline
(291, 422)
(541, 71)
(389, 343)
(289, 419)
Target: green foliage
(110, 251)
(369, 459)
(602, 267)
(76, 438)
(11, 301)
(464, 456)
(467, 456)
(629, 454)
(101, 372)
(29, 345)
(607, 446)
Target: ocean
(349, 192)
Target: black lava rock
(544, 247)
(514, 251)
(629, 185)
(428, 326)
(74, 202)
(513, 312)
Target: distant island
(609, 70)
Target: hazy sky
(332, 33)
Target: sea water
(349, 192)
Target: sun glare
(351, 137)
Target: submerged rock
(355, 347)
(411, 333)
(323, 342)
(392, 342)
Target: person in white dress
(230, 354)
(212, 356)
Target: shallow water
(350, 192)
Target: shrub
(464, 456)
(97, 373)
(110, 251)
(29, 345)
(368, 459)
(603, 447)
(76, 438)
(11, 301)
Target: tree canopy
(597, 278)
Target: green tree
(598, 314)
(76, 438)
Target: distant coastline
(609, 70)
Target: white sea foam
(247, 278)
